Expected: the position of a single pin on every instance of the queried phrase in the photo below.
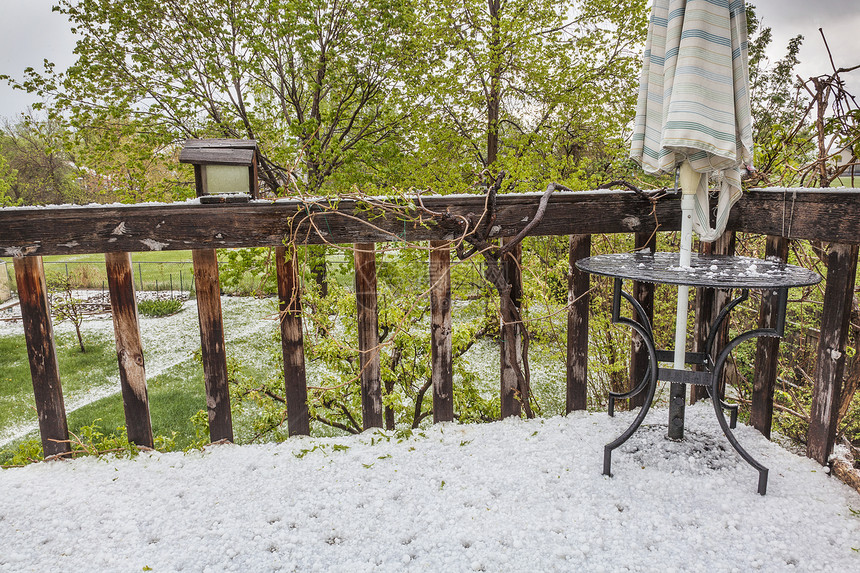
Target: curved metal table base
(709, 378)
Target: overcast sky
(30, 33)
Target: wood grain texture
(74, 230)
(39, 334)
(767, 349)
(129, 350)
(845, 472)
(212, 344)
(578, 299)
(368, 335)
(441, 332)
(292, 342)
(830, 362)
(718, 299)
(216, 156)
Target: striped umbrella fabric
(694, 100)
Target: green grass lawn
(175, 382)
(174, 398)
(79, 372)
(153, 270)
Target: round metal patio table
(707, 271)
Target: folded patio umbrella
(694, 99)
(693, 111)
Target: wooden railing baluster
(292, 341)
(212, 344)
(578, 298)
(129, 350)
(718, 298)
(368, 334)
(644, 295)
(39, 333)
(767, 349)
(441, 333)
(830, 364)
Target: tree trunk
(80, 338)
(512, 396)
(494, 96)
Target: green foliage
(8, 178)
(319, 85)
(777, 105)
(374, 92)
(248, 271)
(200, 421)
(27, 452)
(35, 166)
(159, 307)
(540, 89)
(93, 440)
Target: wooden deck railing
(29, 233)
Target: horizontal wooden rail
(791, 213)
(29, 233)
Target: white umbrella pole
(678, 393)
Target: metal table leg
(619, 293)
(649, 381)
(719, 364)
(714, 369)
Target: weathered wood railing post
(368, 334)
(441, 333)
(578, 298)
(705, 309)
(39, 334)
(644, 295)
(717, 299)
(292, 341)
(830, 364)
(511, 404)
(129, 350)
(767, 348)
(212, 344)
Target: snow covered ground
(167, 342)
(509, 496)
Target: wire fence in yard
(151, 276)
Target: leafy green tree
(116, 164)
(317, 83)
(8, 177)
(36, 168)
(779, 132)
(537, 88)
